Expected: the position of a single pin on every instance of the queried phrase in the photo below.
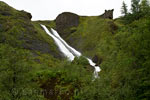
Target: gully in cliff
(69, 51)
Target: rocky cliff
(66, 21)
(108, 14)
(17, 29)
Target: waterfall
(72, 50)
(67, 50)
(60, 45)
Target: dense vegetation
(30, 71)
(126, 60)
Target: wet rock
(65, 21)
(108, 14)
(96, 59)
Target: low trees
(139, 9)
(16, 73)
(124, 9)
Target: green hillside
(33, 68)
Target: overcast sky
(49, 9)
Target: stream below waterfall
(67, 50)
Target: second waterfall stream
(67, 50)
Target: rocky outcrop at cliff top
(65, 21)
(108, 14)
(28, 15)
(6, 10)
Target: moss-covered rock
(65, 21)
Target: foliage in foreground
(125, 69)
(16, 72)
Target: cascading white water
(67, 50)
(60, 45)
(72, 50)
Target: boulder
(96, 59)
(108, 14)
(65, 21)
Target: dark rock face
(108, 14)
(33, 43)
(97, 60)
(6, 13)
(65, 21)
(28, 15)
(17, 30)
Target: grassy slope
(125, 65)
(48, 23)
(90, 33)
